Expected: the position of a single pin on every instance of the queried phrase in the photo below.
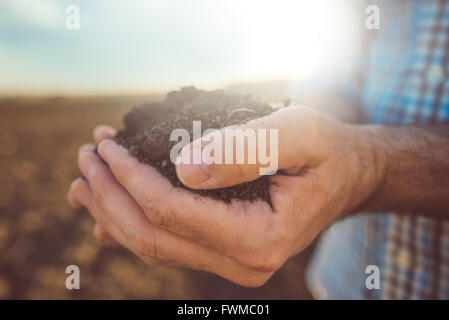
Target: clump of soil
(148, 127)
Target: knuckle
(144, 247)
(267, 262)
(98, 194)
(107, 225)
(152, 262)
(255, 281)
(123, 172)
(139, 246)
(99, 234)
(266, 257)
(158, 214)
(120, 174)
(274, 262)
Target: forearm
(410, 166)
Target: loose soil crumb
(148, 127)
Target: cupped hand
(322, 178)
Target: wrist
(370, 166)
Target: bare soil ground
(40, 234)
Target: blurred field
(40, 234)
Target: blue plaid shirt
(403, 79)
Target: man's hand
(325, 175)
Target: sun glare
(294, 39)
(160, 45)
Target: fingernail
(189, 171)
(73, 202)
(104, 147)
(102, 132)
(78, 192)
(82, 196)
(193, 174)
(86, 164)
(88, 147)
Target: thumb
(239, 154)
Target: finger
(153, 243)
(215, 224)
(260, 147)
(103, 132)
(77, 195)
(71, 199)
(87, 147)
(83, 194)
(104, 188)
(101, 234)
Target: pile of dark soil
(148, 127)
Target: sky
(143, 46)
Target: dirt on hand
(147, 130)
